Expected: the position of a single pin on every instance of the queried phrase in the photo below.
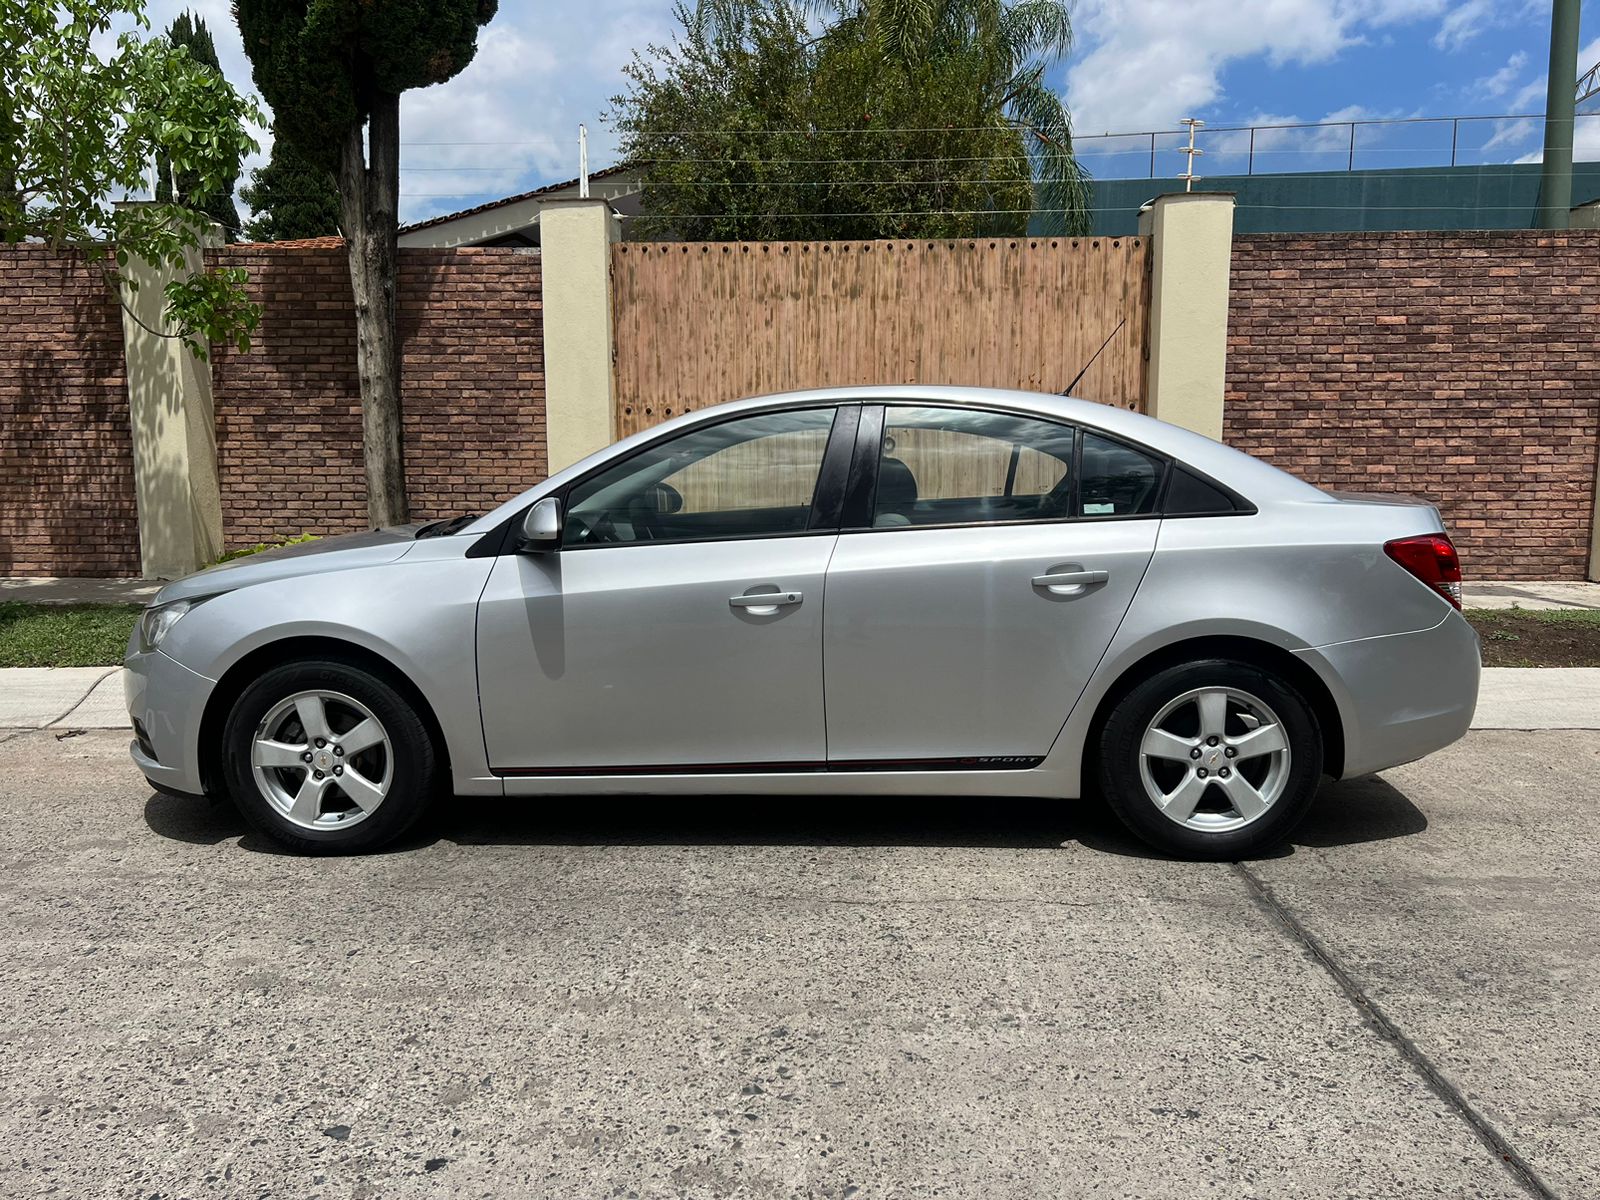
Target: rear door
(986, 562)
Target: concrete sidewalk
(65, 697)
(91, 698)
(79, 591)
(1517, 594)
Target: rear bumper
(1402, 696)
(167, 700)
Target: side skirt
(1037, 780)
(993, 762)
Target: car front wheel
(1213, 759)
(325, 757)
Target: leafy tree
(80, 129)
(898, 118)
(190, 32)
(333, 71)
(290, 198)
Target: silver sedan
(869, 591)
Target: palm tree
(854, 119)
(1001, 49)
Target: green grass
(64, 635)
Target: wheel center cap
(1213, 758)
(323, 760)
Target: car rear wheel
(1213, 759)
(324, 757)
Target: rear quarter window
(1190, 496)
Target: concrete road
(759, 999)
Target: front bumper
(1402, 696)
(166, 701)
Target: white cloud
(1498, 84)
(1144, 65)
(1530, 96)
(1510, 133)
(1464, 22)
(510, 120)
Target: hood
(340, 553)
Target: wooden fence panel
(699, 323)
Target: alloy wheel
(1214, 759)
(322, 760)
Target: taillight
(1432, 559)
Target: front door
(977, 594)
(680, 623)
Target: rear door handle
(769, 600)
(1070, 583)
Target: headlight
(159, 618)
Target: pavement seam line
(79, 702)
(1441, 1086)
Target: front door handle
(1069, 583)
(763, 603)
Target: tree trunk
(369, 195)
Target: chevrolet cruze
(869, 591)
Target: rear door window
(947, 466)
(1115, 480)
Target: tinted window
(1116, 480)
(1189, 495)
(942, 466)
(752, 477)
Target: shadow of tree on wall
(289, 410)
(67, 502)
(472, 345)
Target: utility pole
(1189, 177)
(583, 162)
(1555, 180)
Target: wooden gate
(703, 322)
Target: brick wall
(1463, 367)
(67, 502)
(288, 410)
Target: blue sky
(509, 122)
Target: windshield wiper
(446, 527)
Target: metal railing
(1331, 145)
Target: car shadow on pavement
(1344, 814)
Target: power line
(1147, 133)
(1010, 127)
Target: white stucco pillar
(575, 238)
(174, 429)
(1191, 247)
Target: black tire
(1120, 780)
(411, 758)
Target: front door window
(750, 477)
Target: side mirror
(541, 527)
